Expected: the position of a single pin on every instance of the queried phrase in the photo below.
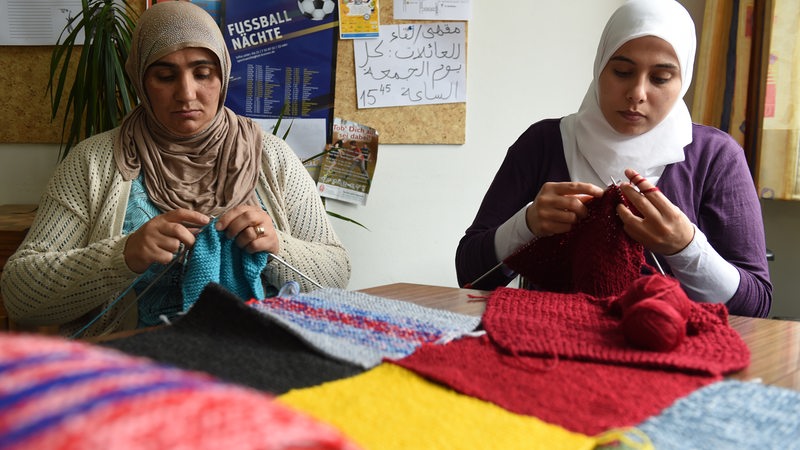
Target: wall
(424, 196)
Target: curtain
(748, 85)
(779, 149)
(723, 66)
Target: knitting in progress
(596, 257)
(362, 329)
(217, 259)
(58, 394)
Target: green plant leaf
(101, 93)
(346, 219)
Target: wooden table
(774, 344)
(15, 220)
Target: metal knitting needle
(289, 266)
(469, 285)
(658, 264)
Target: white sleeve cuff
(704, 274)
(512, 235)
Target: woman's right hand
(559, 206)
(158, 240)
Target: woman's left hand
(251, 227)
(662, 228)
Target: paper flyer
(412, 64)
(348, 164)
(359, 19)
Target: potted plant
(101, 93)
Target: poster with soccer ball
(283, 62)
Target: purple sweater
(712, 186)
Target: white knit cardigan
(70, 265)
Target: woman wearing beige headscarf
(124, 202)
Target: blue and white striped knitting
(363, 329)
(729, 415)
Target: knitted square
(596, 257)
(391, 408)
(59, 394)
(362, 329)
(223, 336)
(582, 327)
(580, 396)
(729, 414)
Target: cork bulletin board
(24, 101)
(25, 105)
(423, 124)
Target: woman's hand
(558, 206)
(158, 240)
(252, 228)
(662, 227)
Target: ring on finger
(259, 230)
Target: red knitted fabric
(583, 397)
(58, 394)
(582, 327)
(596, 257)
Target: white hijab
(594, 151)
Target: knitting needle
(469, 285)
(181, 256)
(289, 266)
(658, 265)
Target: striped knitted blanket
(363, 329)
(58, 394)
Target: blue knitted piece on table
(729, 415)
(363, 329)
(215, 258)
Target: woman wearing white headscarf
(700, 211)
(124, 202)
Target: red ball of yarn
(653, 324)
(655, 286)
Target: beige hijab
(209, 172)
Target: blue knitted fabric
(729, 415)
(363, 329)
(215, 258)
(163, 295)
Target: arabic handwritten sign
(412, 64)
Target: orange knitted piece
(583, 327)
(596, 257)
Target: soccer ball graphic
(316, 9)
